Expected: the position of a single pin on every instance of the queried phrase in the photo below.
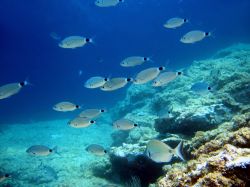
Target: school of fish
(156, 76)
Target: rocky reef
(224, 160)
(215, 127)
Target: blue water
(132, 28)
(28, 52)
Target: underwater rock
(127, 149)
(42, 175)
(223, 161)
(215, 126)
(188, 122)
(119, 137)
(138, 166)
(226, 166)
(228, 73)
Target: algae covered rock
(215, 126)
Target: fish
(116, 83)
(65, 106)
(124, 124)
(148, 75)
(201, 88)
(164, 113)
(79, 122)
(73, 42)
(91, 113)
(134, 61)
(11, 89)
(96, 149)
(164, 78)
(4, 176)
(55, 36)
(40, 150)
(173, 23)
(107, 3)
(95, 82)
(194, 36)
(160, 152)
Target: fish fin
(55, 150)
(93, 40)
(27, 82)
(166, 64)
(211, 33)
(178, 151)
(150, 59)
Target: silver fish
(95, 82)
(4, 176)
(160, 152)
(115, 83)
(164, 78)
(134, 61)
(107, 3)
(91, 113)
(194, 36)
(65, 106)
(81, 122)
(175, 22)
(11, 89)
(96, 149)
(124, 124)
(73, 42)
(147, 75)
(40, 150)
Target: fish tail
(178, 151)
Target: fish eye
(50, 150)
(179, 73)
(77, 106)
(105, 151)
(22, 84)
(209, 88)
(185, 20)
(161, 68)
(92, 121)
(128, 79)
(87, 40)
(207, 34)
(102, 110)
(145, 58)
(106, 79)
(135, 125)
(6, 175)
(34, 153)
